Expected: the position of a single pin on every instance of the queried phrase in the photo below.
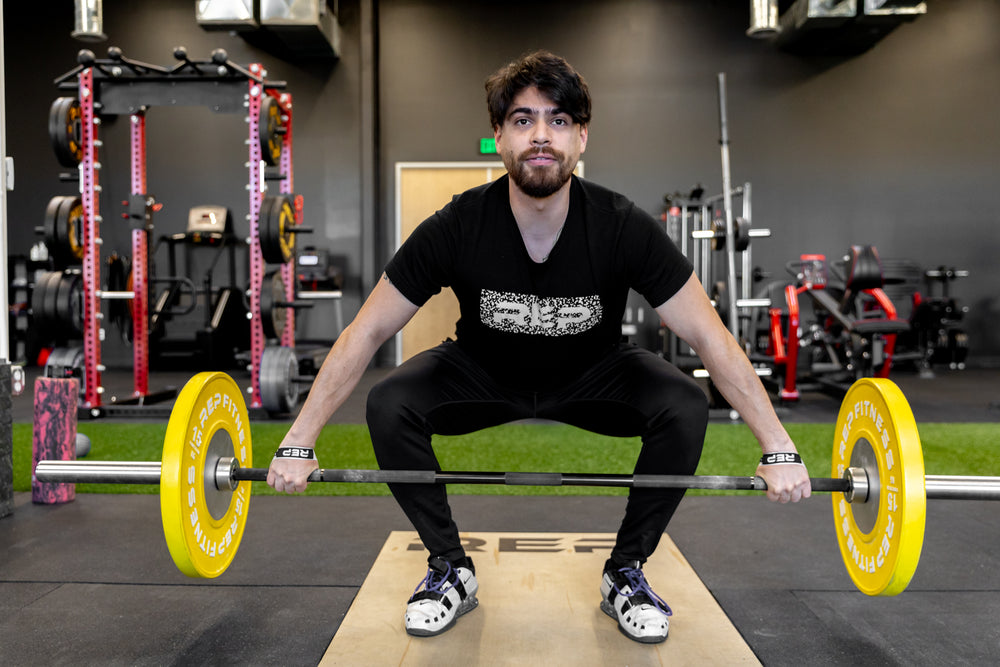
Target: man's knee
(694, 404)
(391, 408)
(682, 401)
(677, 433)
(383, 399)
(693, 410)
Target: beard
(538, 182)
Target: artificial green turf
(730, 449)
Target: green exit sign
(487, 145)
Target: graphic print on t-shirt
(545, 316)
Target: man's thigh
(448, 391)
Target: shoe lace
(435, 580)
(638, 585)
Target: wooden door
(422, 189)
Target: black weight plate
(63, 229)
(73, 226)
(64, 131)
(270, 242)
(742, 234)
(268, 130)
(39, 296)
(51, 227)
(272, 318)
(279, 392)
(69, 304)
(68, 231)
(60, 250)
(741, 230)
(287, 226)
(50, 307)
(277, 219)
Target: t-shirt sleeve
(657, 269)
(423, 264)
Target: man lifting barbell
(541, 262)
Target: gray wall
(896, 147)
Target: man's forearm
(734, 376)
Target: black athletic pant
(631, 392)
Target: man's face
(539, 143)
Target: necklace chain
(554, 241)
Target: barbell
(879, 502)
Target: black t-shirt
(536, 325)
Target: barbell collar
(225, 469)
(860, 489)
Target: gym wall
(895, 147)
(194, 156)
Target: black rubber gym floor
(91, 582)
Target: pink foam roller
(54, 434)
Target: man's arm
(690, 315)
(383, 314)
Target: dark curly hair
(552, 75)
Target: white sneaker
(448, 592)
(627, 598)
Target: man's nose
(540, 133)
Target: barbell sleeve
(958, 487)
(98, 472)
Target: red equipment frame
(90, 232)
(258, 189)
(89, 188)
(785, 347)
(140, 264)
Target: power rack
(119, 86)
